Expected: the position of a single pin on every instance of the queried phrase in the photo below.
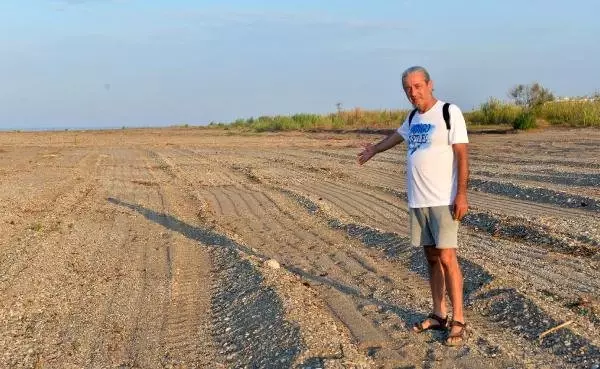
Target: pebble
(273, 264)
(370, 308)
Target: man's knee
(433, 255)
(448, 258)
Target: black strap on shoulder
(446, 112)
(411, 116)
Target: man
(437, 174)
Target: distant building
(575, 98)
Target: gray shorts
(433, 226)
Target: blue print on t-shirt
(419, 136)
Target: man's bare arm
(387, 143)
(461, 206)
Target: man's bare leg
(454, 284)
(437, 284)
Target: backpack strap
(411, 116)
(446, 112)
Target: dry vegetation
(492, 112)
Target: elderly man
(437, 175)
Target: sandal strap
(438, 318)
(458, 337)
(458, 324)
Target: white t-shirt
(431, 173)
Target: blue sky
(113, 63)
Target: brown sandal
(459, 338)
(442, 324)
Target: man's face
(418, 91)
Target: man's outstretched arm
(370, 150)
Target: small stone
(273, 264)
(370, 308)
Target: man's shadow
(211, 238)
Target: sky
(113, 63)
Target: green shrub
(494, 111)
(525, 121)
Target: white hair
(416, 69)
